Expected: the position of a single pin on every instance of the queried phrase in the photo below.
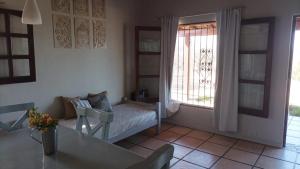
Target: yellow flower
(41, 121)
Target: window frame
(11, 79)
(196, 105)
(267, 81)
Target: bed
(126, 120)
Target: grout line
(247, 150)
(207, 141)
(230, 147)
(182, 159)
(297, 156)
(278, 159)
(238, 161)
(192, 149)
(259, 156)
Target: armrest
(104, 117)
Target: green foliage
(204, 98)
(296, 72)
(294, 110)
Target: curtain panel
(226, 97)
(169, 26)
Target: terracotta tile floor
(195, 149)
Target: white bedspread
(126, 117)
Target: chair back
(15, 108)
(160, 159)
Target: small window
(16, 49)
(194, 67)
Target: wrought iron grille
(194, 68)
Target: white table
(75, 151)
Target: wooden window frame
(267, 81)
(138, 29)
(10, 57)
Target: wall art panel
(98, 8)
(62, 31)
(63, 6)
(82, 33)
(99, 34)
(81, 7)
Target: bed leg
(158, 116)
(158, 129)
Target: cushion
(70, 111)
(100, 101)
(81, 103)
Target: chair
(105, 119)
(160, 159)
(15, 108)
(123, 122)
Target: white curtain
(226, 97)
(169, 26)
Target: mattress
(125, 117)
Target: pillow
(100, 101)
(70, 111)
(81, 103)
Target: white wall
(269, 131)
(73, 72)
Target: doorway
(292, 139)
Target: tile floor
(293, 134)
(195, 149)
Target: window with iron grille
(194, 68)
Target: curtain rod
(203, 14)
(211, 13)
(188, 16)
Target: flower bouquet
(47, 125)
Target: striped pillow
(81, 103)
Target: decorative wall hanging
(63, 6)
(62, 31)
(99, 34)
(98, 8)
(81, 7)
(85, 23)
(82, 33)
